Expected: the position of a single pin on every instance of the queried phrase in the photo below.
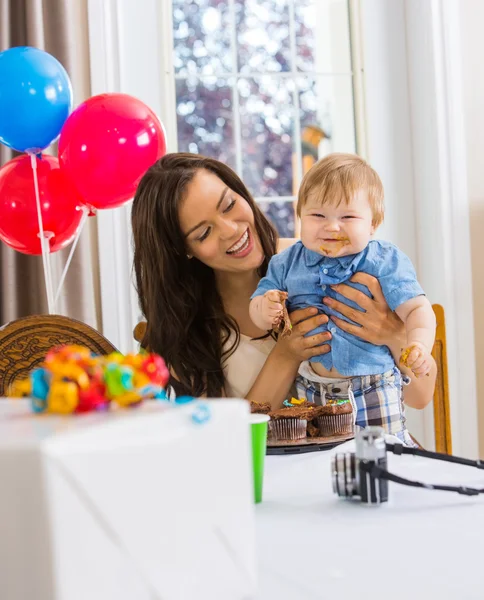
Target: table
(422, 544)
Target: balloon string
(43, 240)
(46, 244)
(85, 214)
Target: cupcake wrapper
(335, 424)
(287, 429)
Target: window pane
(322, 36)
(281, 214)
(205, 118)
(327, 117)
(263, 36)
(267, 116)
(201, 33)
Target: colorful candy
(74, 380)
(294, 402)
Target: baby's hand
(271, 307)
(417, 358)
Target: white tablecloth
(424, 544)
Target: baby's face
(337, 229)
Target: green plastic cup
(258, 425)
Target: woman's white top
(242, 368)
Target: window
(265, 86)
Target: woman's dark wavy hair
(186, 321)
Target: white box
(138, 504)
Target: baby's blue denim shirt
(307, 276)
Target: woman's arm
(280, 369)
(274, 380)
(377, 324)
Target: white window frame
(415, 138)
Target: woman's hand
(296, 347)
(375, 323)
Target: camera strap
(401, 449)
(379, 473)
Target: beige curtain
(59, 27)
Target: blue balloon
(35, 98)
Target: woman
(201, 245)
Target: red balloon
(106, 146)
(60, 205)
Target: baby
(341, 205)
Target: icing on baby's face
(339, 228)
(333, 246)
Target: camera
(352, 471)
(364, 473)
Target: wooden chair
(25, 342)
(443, 437)
(139, 331)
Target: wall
(471, 19)
(434, 77)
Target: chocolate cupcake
(260, 408)
(289, 424)
(312, 428)
(336, 418)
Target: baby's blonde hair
(339, 177)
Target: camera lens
(352, 471)
(344, 475)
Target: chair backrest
(443, 437)
(25, 342)
(139, 331)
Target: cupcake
(260, 408)
(289, 424)
(336, 418)
(312, 428)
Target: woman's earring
(189, 256)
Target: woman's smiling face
(218, 225)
